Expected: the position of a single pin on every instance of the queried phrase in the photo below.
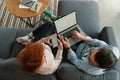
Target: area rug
(8, 20)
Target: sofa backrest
(8, 45)
(87, 14)
(17, 47)
(7, 37)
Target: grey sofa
(88, 19)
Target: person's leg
(51, 16)
(43, 31)
(41, 27)
(25, 39)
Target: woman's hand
(47, 39)
(60, 46)
(77, 35)
(65, 42)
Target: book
(33, 5)
(26, 3)
(36, 6)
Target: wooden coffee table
(13, 7)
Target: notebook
(64, 26)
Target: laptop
(64, 26)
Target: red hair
(31, 57)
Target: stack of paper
(33, 5)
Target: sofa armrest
(10, 70)
(68, 71)
(107, 35)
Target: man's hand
(77, 35)
(65, 42)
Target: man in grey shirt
(93, 56)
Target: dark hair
(105, 58)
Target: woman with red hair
(37, 56)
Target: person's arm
(41, 40)
(57, 61)
(72, 56)
(89, 40)
(58, 57)
(80, 64)
(97, 43)
(77, 35)
(46, 39)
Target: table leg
(30, 23)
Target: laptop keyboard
(68, 33)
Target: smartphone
(54, 41)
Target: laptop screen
(66, 22)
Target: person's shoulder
(115, 50)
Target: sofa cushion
(1, 59)
(7, 37)
(107, 35)
(23, 31)
(87, 14)
(70, 72)
(10, 70)
(17, 47)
